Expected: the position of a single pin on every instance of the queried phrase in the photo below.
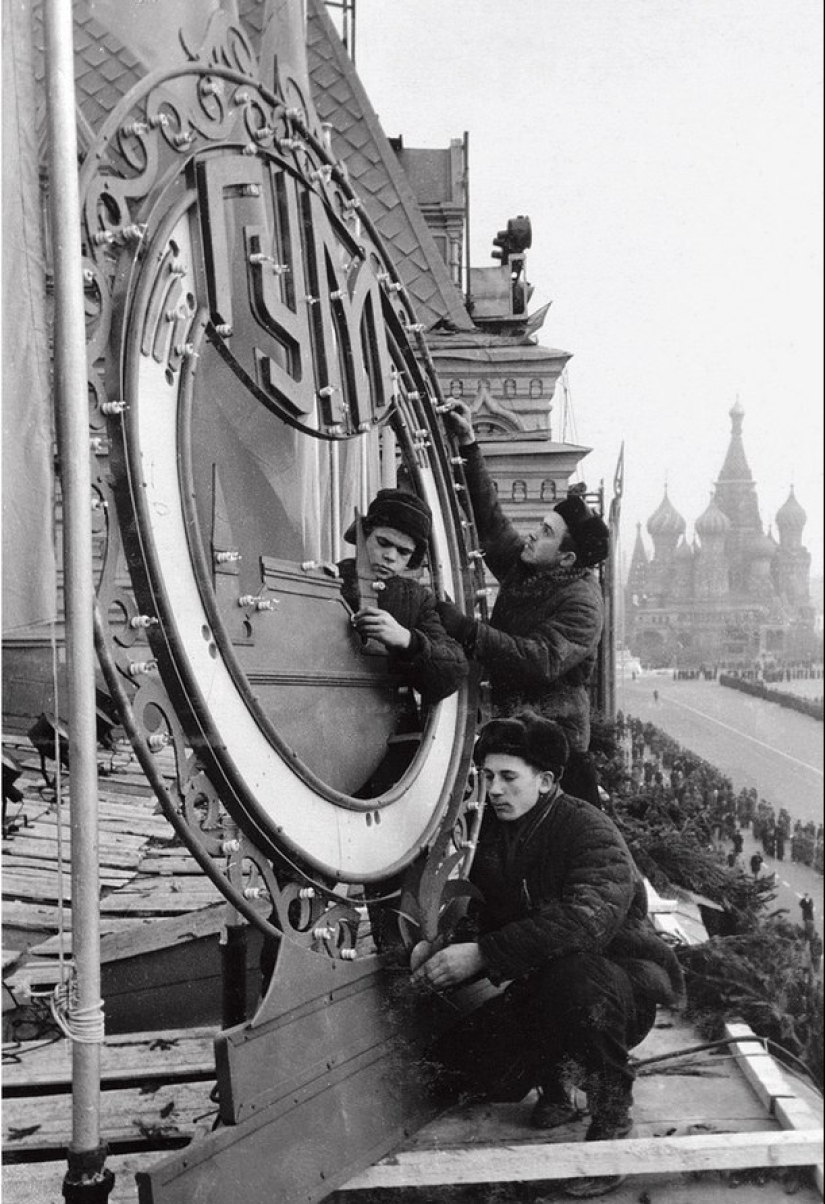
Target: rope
(58, 799)
(83, 1025)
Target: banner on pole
(28, 566)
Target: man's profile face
(542, 546)
(513, 786)
(389, 551)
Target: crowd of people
(700, 674)
(790, 671)
(656, 758)
(662, 775)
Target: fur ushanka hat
(403, 512)
(589, 533)
(538, 741)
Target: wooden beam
(796, 1114)
(758, 1066)
(575, 1160)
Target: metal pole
(467, 295)
(71, 404)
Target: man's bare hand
(457, 420)
(375, 624)
(450, 966)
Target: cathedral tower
(664, 526)
(792, 566)
(736, 498)
(711, 575)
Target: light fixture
(11, 793)
(51, 739)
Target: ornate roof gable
(358, 138)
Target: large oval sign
(258, 345)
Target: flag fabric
(536, 320)
(618, 489)
(28, 566)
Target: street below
(754, 743)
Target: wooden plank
(168, 865)
(109, 875)
(163, 933)
(796, 1114)
(14, 863)
(758, 1067)
(144, 884)
(43, 846)
(123, 809)
(128, 938)
(45, 828)
(164, 1056)
(40, 918)
(33, 979)
(123, 789)
(174, 1111)
(46, 849)
(139, 828)
(574, 1160)
(154, 900)
(40, 1183)
(36, 917)
(44, 886)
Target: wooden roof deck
(702, 1120)
(146, 875)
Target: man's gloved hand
(460, 626)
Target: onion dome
(666, 520)
(712, 521)
(761, 547)
(791, 516)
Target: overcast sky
(669, 155)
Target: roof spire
(735, 467)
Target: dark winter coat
(541, 644)
(561, 880)
(434, 664)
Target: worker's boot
(554, 1107)
(610, 1101)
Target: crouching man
(563, 922)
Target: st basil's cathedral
(733, 596)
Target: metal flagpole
(86, 1178)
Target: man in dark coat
(563, 921)
(396, 528)
(541, 643)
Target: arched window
(509, 387)
(548, 491)
(519, 491)
(456, 388)
(536, 387)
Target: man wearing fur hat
(560, 917)
(540, 646)
(396, 529)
